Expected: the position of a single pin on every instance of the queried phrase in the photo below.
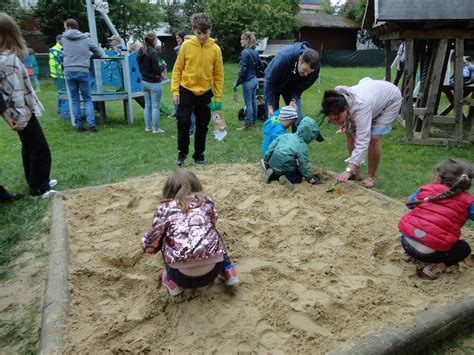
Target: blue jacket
(272, 128)
(281, 74)
(289, 152)
(249, 63)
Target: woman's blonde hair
(180, 185)
(10, 36)
(250, 36)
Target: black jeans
(399, 74)
(36, 157)
(186, 281)
(295, 177)
(188, 102)
(457, 253)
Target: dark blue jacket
(282, 75)
(249, 63)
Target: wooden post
(408, 89)
(434, 86)
(458, 89)
(388, 61)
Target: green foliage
(177, 13)
(267, 18)
(130, 18)
(355, 10)
(14, 9)
(327, 7)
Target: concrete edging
(430, 326)
(56, 295)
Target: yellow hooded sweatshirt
(199, 68)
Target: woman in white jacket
(365, 113)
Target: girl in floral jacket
(184, 229)
(431, 231)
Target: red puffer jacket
(437, 224)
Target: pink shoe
(173, 288)
(229, 276)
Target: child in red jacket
(431, 231)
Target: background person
(249, 65)
(293, 70)
(365, 113)
(151, 71)
(76, 48)
(34, 64)
(56, 58)
(401, 60)
(116, 44)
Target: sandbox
(318, 270)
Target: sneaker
(267, 175)
(180, 160)
(53, 183)
(92, 129)
(229, 276)
(245, 127)
(285, 182)
(172, 114)
(263, 164)
(159, 130)
(80, 129)
(48, 194)
(200, 161)
(171, 286)
(148, 129)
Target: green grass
(120, 151)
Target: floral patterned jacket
(184, 237)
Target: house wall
(331, 38)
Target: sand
(318, 270)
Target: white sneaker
(48, 194)
(148, 129)
(159, 130)
(53, 183)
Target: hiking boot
(229, 275)
(267, 176)
(180, 160)
(171, 286)
(285, 182)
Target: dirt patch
(318, 270)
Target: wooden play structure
(435, 31)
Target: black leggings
(460, 251)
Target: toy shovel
(332, 188)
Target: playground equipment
(114, 77)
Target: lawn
(120, 151)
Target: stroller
(260, 98)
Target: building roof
(378, 11)
(318, 19)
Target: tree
(177, 13)
(14, 9)
(355, 10)
(267, 18)
(328, 8)
(130, 17)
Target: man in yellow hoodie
(198, 75)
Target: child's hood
(194, 41)
(308, 129)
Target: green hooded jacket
(289, 152)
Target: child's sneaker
(267, 176)
(171, 286)
(285, 182)
(53, 183)
(229, 276)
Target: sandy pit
(318, 270)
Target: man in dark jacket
(293, 70)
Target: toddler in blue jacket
(277, 124)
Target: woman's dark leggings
(460, 251)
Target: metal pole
(91, 20)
